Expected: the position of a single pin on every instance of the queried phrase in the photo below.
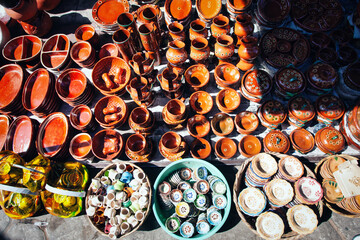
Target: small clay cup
(83, 54)
(225, 148)
(80, 147)
(137, 144)
(246, 122)
(249, 146)
(197, 77)
(140, 116)
(171, 142)
(200, 148)
(82, 118)
(226, 75)
(198, 126)
(222, 124)
(98, 144)
(175, 110)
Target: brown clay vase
(243, 26)
(200, 50)
(220, 26)
(197, 29)
(176, 54)
(47, 5)
(248, 51)
(224, 48)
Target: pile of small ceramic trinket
(118, 199)
(277, 192)
(194, 199)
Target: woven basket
(99, 175)
(331, 206)
(239, 185)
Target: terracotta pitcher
(200, 50)
(122, 39)
(243, 26)
(176, 54)
(142, 63)
(220, 26)
(224, 48)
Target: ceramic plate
(106, 12)
(270, 226)
(252, 200)
(302, 219)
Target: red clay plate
(179, 9)
(208, 8)
(106, 12)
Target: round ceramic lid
(330, 107)
(302, 219)
(290, 80)
(273, 112)
(280, 191)
(257, 82)
(269, 225)
(322, 75)
(331, 139)
(252, 200)
(276, 141)
(309, 189)
(301, 108)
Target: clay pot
(255, 85)
(23, 10)
(200, 148)
(139, 88)
(329, 108)
(198, 126)
(276, 141)
(21, 137)
(243, 26)
(249, 146)
(176, 54)
(175, 110)
(87, 33)
(80, 147)
(127, 21)
(111, 112)
(226, 75)
(39, 25)
(123, 40)
(171, 142)
(5, 122)
(249, 48)
(197, 77)
(197, 29)
(302, 140)
(176, 31)
(83, 54)
(200, 50)
(224, 48)
(300, 111)
(271, 114)
(289, 82)
(225, 148)
(329, 140)
(201, 102)
(142, 63)
(47, 5)
(39, 96)
(107, 144)
(220, 26)
(222, 124)
(142, 120)
(246, 122)
(321, 78)
(82, 118)
(227, 100)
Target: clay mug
(224, 48)
(197, 29)
(175, 109)
(142, 63)
(149, 40)
(141, 117)
(176, 31)
(139, 88)
(243, 26)
(169, 80)
(220, 26)
(137, 144)
(171, 142)
(150, 16)
(127, 21)
(123, 40)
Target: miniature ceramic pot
(225, 148)
(222, 124)
(200, 148)
(87, 33)
(176, 31)
(175, 109)
(249, 48)
(200, 50)
(276, 141)
(321, 78)
(227, 100)
(226, 75)
(80, 147)
(127, 20)
(201, 102)
(82, 118)
(123, 40)
(289, 82)
(224, 48)
(271, 114)
(255, 84)
(176, 54)
(245, 65)
(249, 146)
(140, 116)
(47, 5)
(142, 63)
(197, 29)
(243, 26)
(198, 126)
(246, 122)
(302, 140)
(300, 111)
(197, 77)
(171, 142)
(39, 25)
(220, 26)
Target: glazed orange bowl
(200, 148)
(246, 122)
(198, 126)
(201, 102)
(228, 100)
(249, 146)
(197, 76)
(85, 32)
(81, 51)
(110, 102)
(71, 84)
(109, 50)
(222, 124)
(226, 74)
(107, 144)
(225, 148)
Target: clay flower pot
(246, 122)
(243, 26)
(276, 141)
(228, 100)
(82, 118)
(226, 75)
(224, 48)
(107, 144)
(197, 29)
(201, 102)
(222, 124)
(176, 31)
(111, 112)
(83, 54)
(87, 33)
(197, 77)
(249, 146)
(198, 126)
(176, 54)
(200, 50)
(109, 50)
(225, 148)
(80, 147)
(220, 26)
(200, 148)
(302, 140)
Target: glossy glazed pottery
(176, 54)
(276, 141)
(87, 33)
(55, 54)
(201, 102)
(271, 114)
(224, 48)
(108, 50)
(249, 146)
(246, 122)
(222, 124)
(138, 148)
(125, 43)
(321, 78)
(172, 146)
(255, 85)
(200, 148)
(289, 82)
(226, 75)
(329, 108)
(82, 118)
(83, 54)
(5, 122)
(300, 111)
(228, 100)
(220, 26)
(243, 26)
(142, 121)
(197, 77)
(197, 29)
(302, 140)
(329, 140)
(198, 126)
(107, 144)
(176, 31)
(111, 112)
(80, 147)
(225, 148)
(200, 50)
(142, 63)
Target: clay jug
(220, 26)
(224, 48)
(176, 54)
(200, 50)
(243, 26)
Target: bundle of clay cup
(275, 188)
(118, 199)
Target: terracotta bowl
(222, 124)
(21, 136)
(201, 102)
(82, 118)
(83, 54)
(98, 144)
(55, 54)
(246, 122)
(5, 122)
(226, 74)
(109, 50)
(113, 66)
(302, 140)
(228, 100)
(225, 148)
(249, 146)
(80, 147)
(198, 126)
(197, 76)
(111, 102)
(200, 148)
(23, 49)
(87, 33)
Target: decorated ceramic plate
(208, 9)
(106, 12)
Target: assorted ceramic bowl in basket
(277, 196)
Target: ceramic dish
(200, 148)
(55, 54)
(302, 219)
(198, 126)
(225, 148)
(222, 124)
(246, 122)
(107, 144)
(302, 140)
(252, 201)
(201, 102)
(249, 146)
(269, 225)
(197, 76)
(228, 100)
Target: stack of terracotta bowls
(39, 95)
(107, 144)
(87, 33)
(255, 85)
(83, 54)
(289, 82)
(235, 7)
(271, 114)
(82, 118)
(329, 140)
(350, 127)
(226, 75)
(55, 54)
(24, 50)
(80, 147)
(142, 121)
(329, 108)
(54, 136)
(178, 11)
(138, 148)
(11, 83)
(175, 113)
(272, 13)
(5, 122)
(300, 111)
(260, 170)
(111, 112)
(74, 88)
(172, 146)
(171, 83)
(111, 75)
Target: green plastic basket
(161, 215)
